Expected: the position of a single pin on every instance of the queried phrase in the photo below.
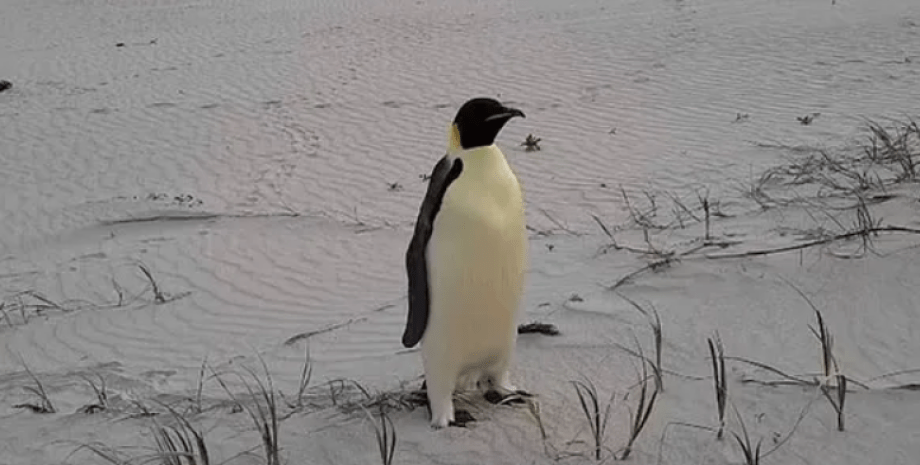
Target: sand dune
(264, 161)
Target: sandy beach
(200, 196)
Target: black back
(444, 173)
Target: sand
(263, 161)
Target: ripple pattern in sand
(332, 110)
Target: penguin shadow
(463, 417)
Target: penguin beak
(507, 114)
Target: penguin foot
(492, 396)
(461, 419)
(417, 399)
(516, 397)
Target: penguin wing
(444, 173)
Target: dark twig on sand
(861, 233)
(547, 329)
(158, 295)
(718, 375)
(531, 143)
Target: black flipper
(444, 173)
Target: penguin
(466, 263)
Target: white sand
(287, 122)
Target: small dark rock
(5, 85)
(120, 44)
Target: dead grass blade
(828, 362)
(385, 433)
(642, 413)
(306, 374)
(751, 451)
(44, 404)
(718, 375)
(263, 410)
(805, 245)
(179, 445)
(654, 322)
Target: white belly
(476, 257)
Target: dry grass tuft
(385, 433)
(642, 413)
(181, 444)
(400, 399)
(895, 146)
(263, 409)
(102, 395)
(596, 415)
(751, 451)
(44, 404)
(654, 322)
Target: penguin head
(479, 121)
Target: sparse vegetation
(181, 444)
(158, 295)
(262, 409)
(43, 405)
(20, 307)
(385, 433)
(829, 364)
(306, 374)
(177, 444)
(199, 387)
(177, 441)
(102, 396)
(643, 411)
(596, 414)
(654, 322)
(750, 450)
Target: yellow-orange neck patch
(453, 139)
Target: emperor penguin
(466, 263)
